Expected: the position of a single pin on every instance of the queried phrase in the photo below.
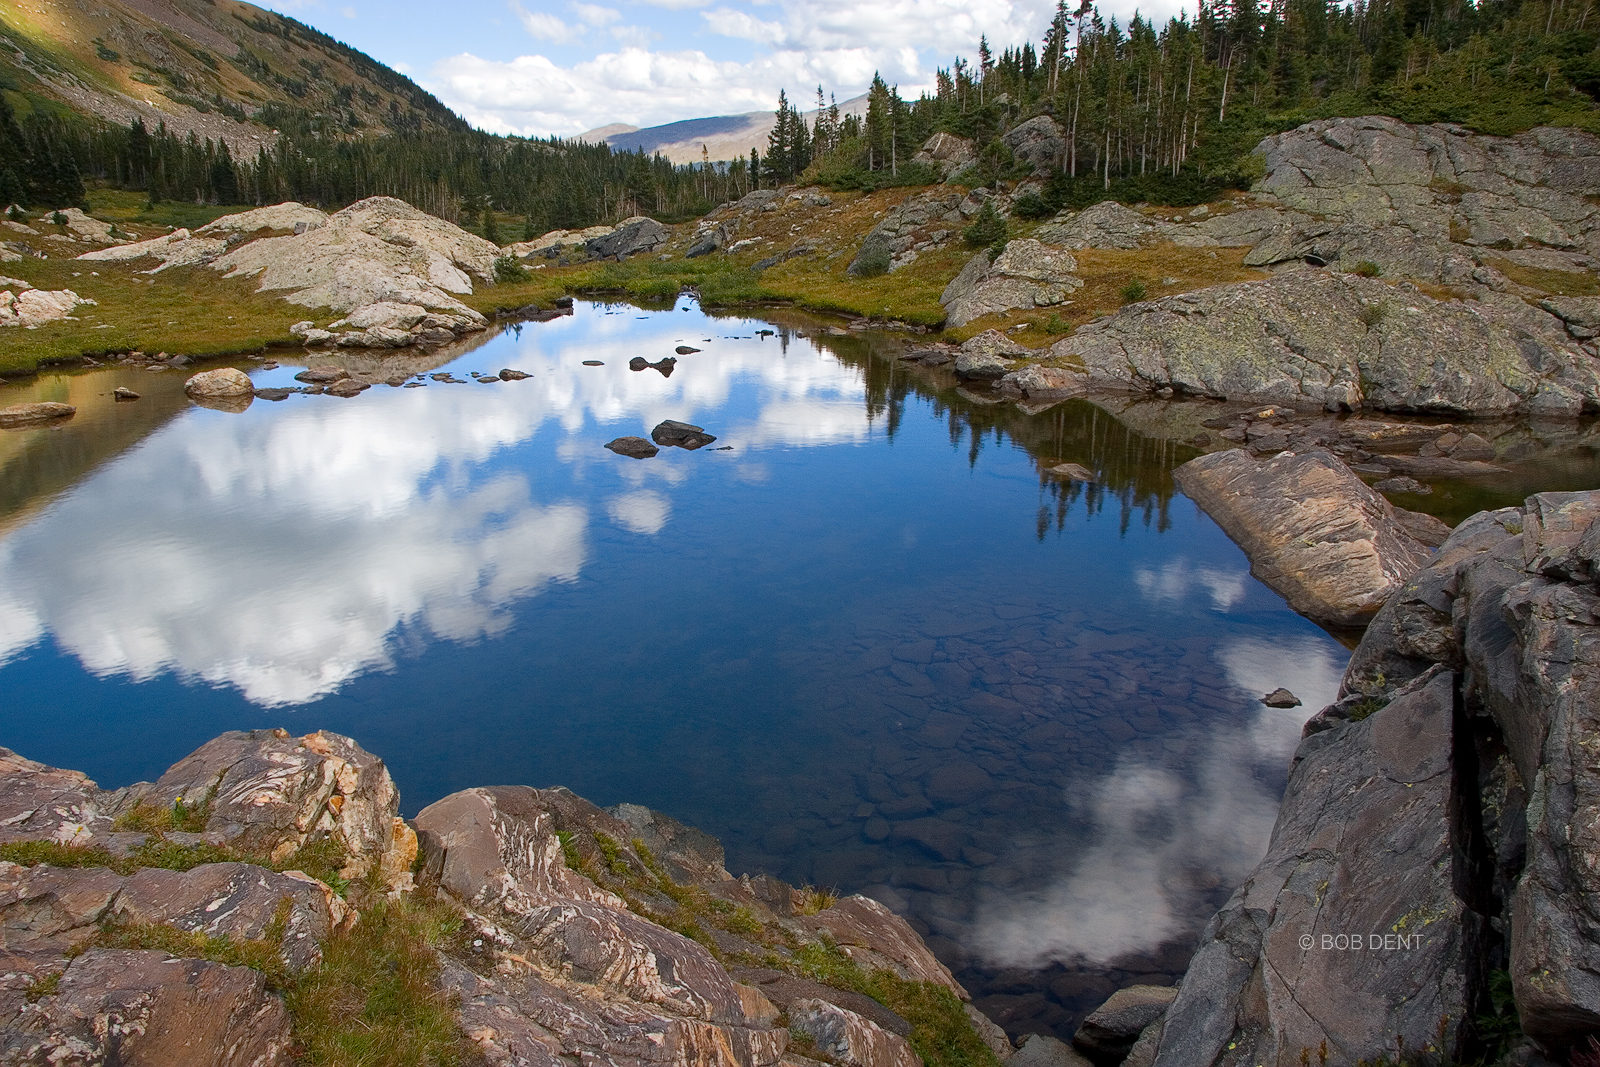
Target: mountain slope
(719, 137)
(220, 68)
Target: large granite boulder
(1331, 546)
(632, 236)
(147, 1009)
(1039, 142)
(221, 384)
(946, 151)
(1350, 935)
(928, 219)
(1107, 224)
(1341, 342)
(1028, 274)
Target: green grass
(321, 858)
(183, 311)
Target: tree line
(1152, 112)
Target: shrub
(1031, 206)
(1367, 269)
(1373, 314)
(1056, 324)
(986, 229)
(507, 269)
(873, 261)
(1133, 292)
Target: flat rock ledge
(1331, 546)
(565, 951)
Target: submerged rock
(1313, 532)
(1109, 1033)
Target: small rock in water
(685, 350)
(593, 363)
(1402, 484)
(638, 363)
(273, 394)
(122, 392)
(219, 383)
(347, 387)
(636, 447)
(1073, 471)
(680, 434)
(416, 385)
(321, 375)
(509, 375)
(488, 379)
(1281, 698)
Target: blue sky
(541, 67)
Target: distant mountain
(220, 68)
(721, 137)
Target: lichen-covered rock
(946, 151)
(1312, 530)
(1107, 224)
(147, 1009)
(43, 803)
(1039, 142)
(179, 248)
(1028, 274)
(1341, 342)
(290, 216)
(1366, 847)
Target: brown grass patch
(1555, 282)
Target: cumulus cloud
(1163, 836)
(787, 44)
(1177, 578)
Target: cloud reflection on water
(280, 551)
(1156, 837)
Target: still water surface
(869, 645)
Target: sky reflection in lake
(868, 646)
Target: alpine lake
(865, 638)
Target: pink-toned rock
(849, 1039)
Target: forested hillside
(1150, 112)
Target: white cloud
(795, 45)
(1176, 578)
(348, 12)
(595, 15)
(543, 26)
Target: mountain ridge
(719, 138)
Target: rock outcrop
(630, 237)
(1438, 823)
(22, 416)
(32, 308)
(1038, 142)
(394, 272)
(929, 219)
(1333, 548)
(564, 952)
(1341, 342)
(948, 152)
(1028, 274)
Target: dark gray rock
(1039, 142)
(147, 1009)
(1281, 698)
(635, 447)
(509, 375)
(631, 237)
(1364, 847)
(681, 435)
(1109, 1033)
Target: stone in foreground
(1327, 543)
(1110, 1031)
(1365, 846)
